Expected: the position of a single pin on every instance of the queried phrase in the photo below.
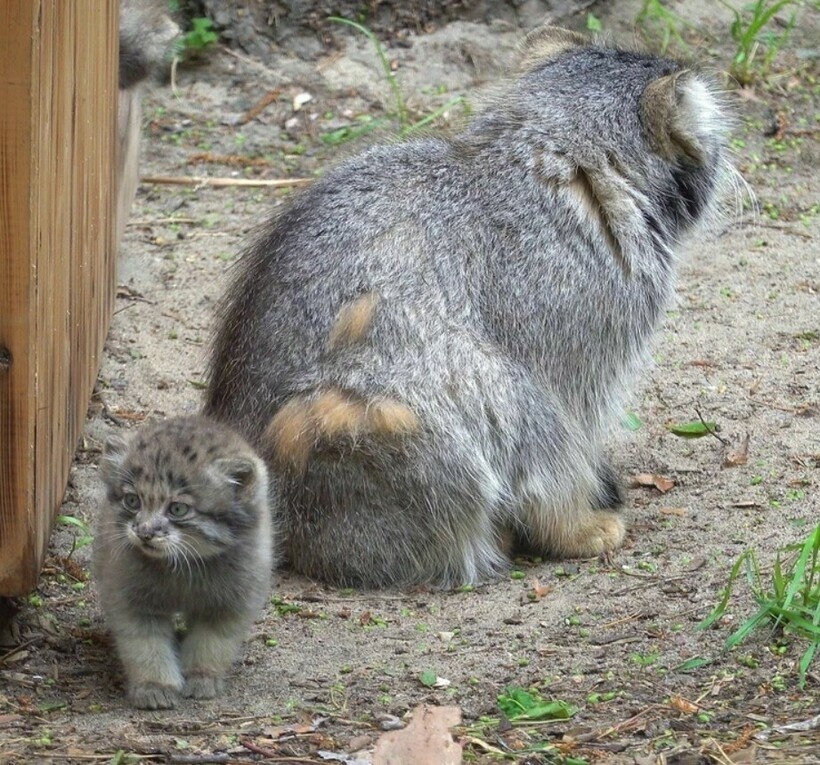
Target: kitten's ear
(113, 456)
(240, 471)
(675, 109)
(545, 43)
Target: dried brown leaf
(652, 480)
(738, 455)
(683, 705)
(538, 590)
(425, 741)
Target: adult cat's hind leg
(566, 494)
(610, 494)
(572, 527)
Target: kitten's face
(163, 520)
(181, 491)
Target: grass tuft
(789, 602)
(401, 112)
(750, 31)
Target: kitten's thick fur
(212, 564)
(431, 343)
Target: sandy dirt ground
(325, 671)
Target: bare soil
(324, 667)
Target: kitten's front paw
(153, 696)
(202, 687)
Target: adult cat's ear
(545, 43)
(676, 110)
(113, 456)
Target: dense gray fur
(146, 34)
(516, 274)
(212, 566)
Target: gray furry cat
(185, 530)
(431, 343)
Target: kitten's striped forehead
(172, 457)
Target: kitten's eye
(178, 509)
(131, 501)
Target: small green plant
(81, 539)
(749, 31)
(200, 36)
(386, 68)
(655, 21)
(520, 705)
(401, 113)
(790, 602)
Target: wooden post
(58, 90)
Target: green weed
(790, 602)
(520, 705)
(655, 21)
(83, 538)
(406, 126)
(750, 32)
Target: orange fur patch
(337, 415)
(353, 321)
(291, 431)
(388, 417)
(300, 425)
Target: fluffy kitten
(432, 343)
(185, 530)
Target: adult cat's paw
(153, 696)
(599, 533)
(202, 687)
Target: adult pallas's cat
(430, 345)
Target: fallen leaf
(696, 563)
(683, 705)
(694, 429)
(660, 482)
(425, 741)
(538, 590)
(738, 455)
(15, 657)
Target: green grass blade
(720, 608)
(388, 72)
(745, 629)
(434, 115)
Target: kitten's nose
(147, 530)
